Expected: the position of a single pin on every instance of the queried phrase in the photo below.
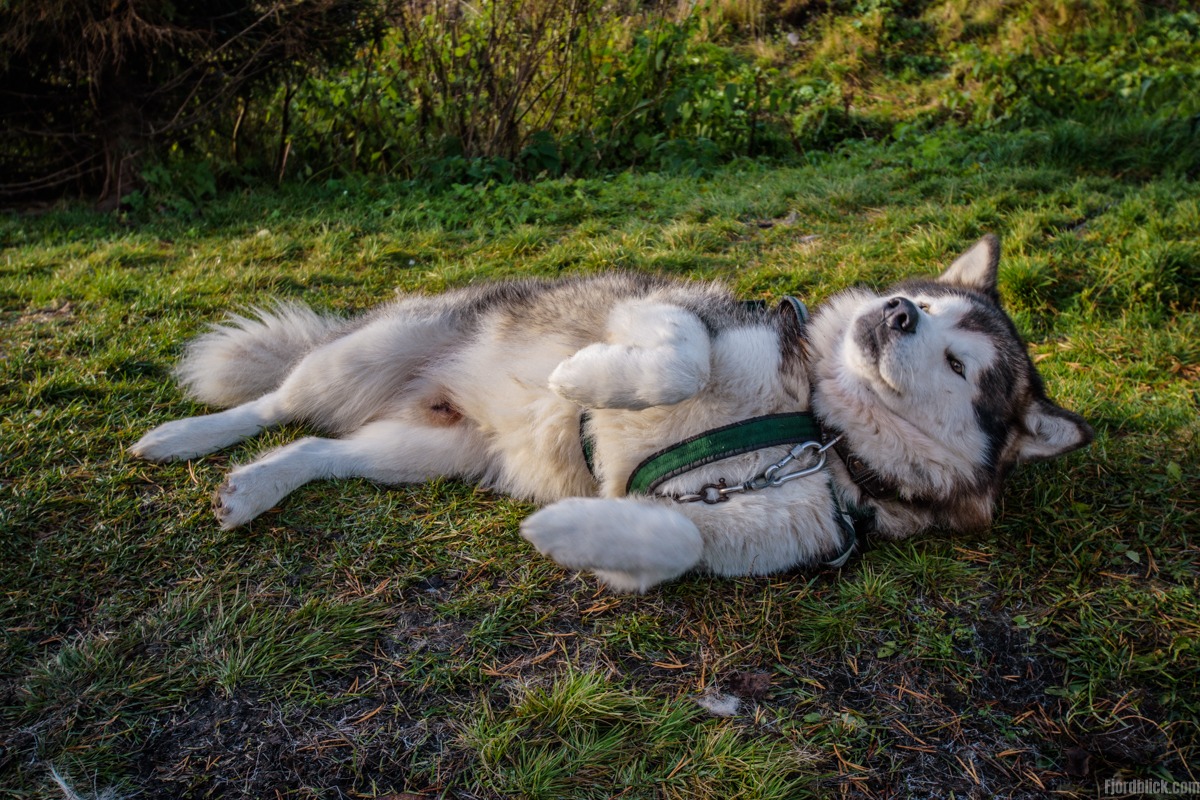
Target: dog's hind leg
(197, 436)
(656, 354)
(337, 387)
(387, 451)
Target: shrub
(545, 87)
(90, 86)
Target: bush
(91, 86)
(545, 87)
(447, 92)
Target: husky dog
(926, 388)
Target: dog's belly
(501, 387)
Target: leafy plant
(1149, 68)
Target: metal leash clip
(771, 476)
(713, 493)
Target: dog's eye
(923, 306)
(956, 365)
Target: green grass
(363, 641)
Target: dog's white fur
(490, 390)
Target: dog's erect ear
(977, 268)
(1053, 431)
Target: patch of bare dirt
(241, 745)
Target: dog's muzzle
(901, 314)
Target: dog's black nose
(901, 314)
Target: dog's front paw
(630, 376)
(588, 378)
(631, 545)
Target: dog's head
(935, 395)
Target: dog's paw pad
(219, 506)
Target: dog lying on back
(926, 389)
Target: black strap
(586, 442)
(871, 482)
(797, 306)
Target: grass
(364, 641)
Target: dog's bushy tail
(244, 357)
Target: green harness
(713, 445)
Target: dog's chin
(869, 363)
(892, 375)
(866, 354)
